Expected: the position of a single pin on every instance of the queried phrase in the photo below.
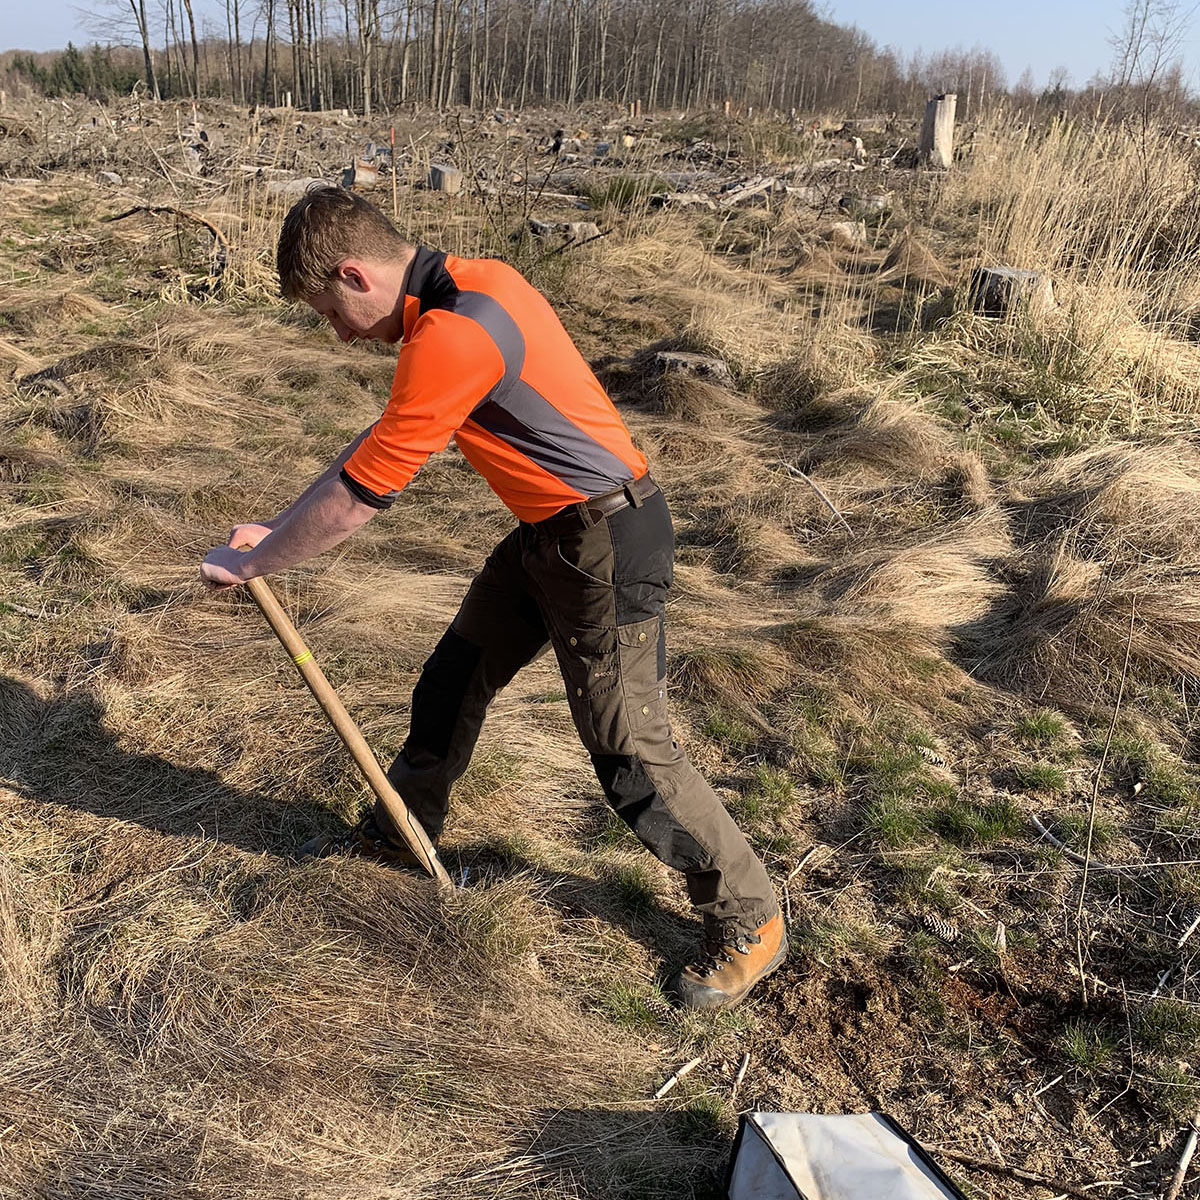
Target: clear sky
(1042, 34)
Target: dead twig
(1010, 1172)
(829, 504)
(1091, 825)
(1158, 864)
(737, 1083)
(574, 245)
(1187, 933)
(803, 862)
(1185, 1161)
(686, 1069)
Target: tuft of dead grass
(910, 262)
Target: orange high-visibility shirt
(484, 360)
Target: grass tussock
(936, 584)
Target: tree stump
(445, 179)
(999, 291)
(936, 148)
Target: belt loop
(632, 495)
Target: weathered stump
(936, 148)
(999, 291)
(445, 179)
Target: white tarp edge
(804, 1156)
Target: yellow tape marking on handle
(302, 658)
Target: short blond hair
(324, 228)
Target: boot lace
(722, 939)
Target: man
(484, 360)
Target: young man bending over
(483, 360)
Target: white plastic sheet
(804, 1156)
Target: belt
(587, 513)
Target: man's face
(359, 304)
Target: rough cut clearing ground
(923, 560)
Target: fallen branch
(1044, 1181)
(829, 504)
(1161, 864)
(11, 606)
(574, 245)
(168, 210)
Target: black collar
(429, 281)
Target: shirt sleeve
(445, 368)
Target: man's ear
(351, 274)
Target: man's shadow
(59, 751)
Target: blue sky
(1042, 34)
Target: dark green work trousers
(594, 589)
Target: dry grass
(188, 1012)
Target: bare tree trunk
(547, 84)
(528, 53)
(187, 4)
(631, 63)
(435, 55)
(603, 16)
(472, 55)
(404, 59)
(237, 46)
(485, 72)
(315, 83)
(450, 73)
(271, 58)
(575, 28)
(367, 17)
(168, 24)
(502, 83)
(139, 15)
(293, 29)
(656, 74)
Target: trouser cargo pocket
(590, 666)
(642, 651)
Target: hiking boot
(366, 840)
(731, 962)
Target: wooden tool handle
(408, 826)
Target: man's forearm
(331, 472)
(324, 516)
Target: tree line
(765, 55)
(367, 54)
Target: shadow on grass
(59, 751)
(610, 1154)
(664, 934)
